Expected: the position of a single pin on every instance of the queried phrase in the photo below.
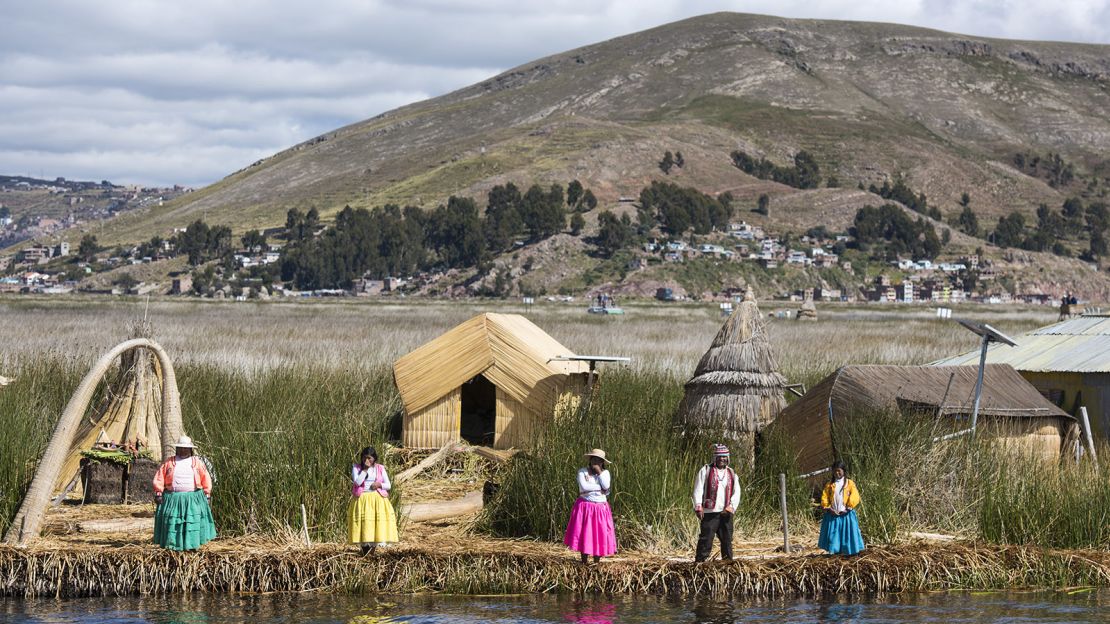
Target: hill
(945, 113)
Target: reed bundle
(244, 567)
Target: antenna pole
(979, 383)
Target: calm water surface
(952, 608)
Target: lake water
(949, 607)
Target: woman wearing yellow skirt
(371, 521)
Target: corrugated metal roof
(1079, 345)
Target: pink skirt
(590, 530)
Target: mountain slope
(869, 100)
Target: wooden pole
(304, 526)
(785, 525)
(1087, 435)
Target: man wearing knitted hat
(716, 497)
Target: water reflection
(948, 608)
(591, 613)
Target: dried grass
(265, 566)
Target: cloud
(153, 91)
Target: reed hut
(808, 311)
(489, 381)
(1010, 408)
(736, 387)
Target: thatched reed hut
(1010, 407)
(489, 380)
(808, 311)
(736, 387)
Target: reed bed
(256, 568)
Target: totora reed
(914, 567)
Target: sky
(169, 92)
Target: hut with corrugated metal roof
(1069, 362)
(490, 380)
(736, 388)
(1010, 407)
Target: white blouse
(591, 487)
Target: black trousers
(715, 525)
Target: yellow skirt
(371, 520)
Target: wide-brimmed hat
(598, 453)
(184, 442)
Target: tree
(679, 161)
(968, 222)
(1098, 218)
(667, 163)
(88, 248)
(1098, 245)
(589, 200)
(1073, 214)
(763, 205)
(503, 219)
(577, 222)
(254, 240)
(542, 213)
(965, 199)
(807, 172)
(574, 193)
(1010, 230)
(613, 233)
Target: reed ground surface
(283, 393)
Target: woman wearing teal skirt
(371, 521)
(840, 534)
(183, 489)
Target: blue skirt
(840, 534)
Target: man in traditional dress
(716, 497)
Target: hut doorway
(478, 413)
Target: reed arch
(28, 520)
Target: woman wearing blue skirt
(840, 533)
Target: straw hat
(184, 442)
(598, 453)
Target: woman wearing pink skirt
(590, 530)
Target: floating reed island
(254, 566)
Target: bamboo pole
(304, 526)
(1087, 435)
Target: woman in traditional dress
(590, 530)
(371, 521)
(840, 534)
(183, 491)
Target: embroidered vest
(711, 480)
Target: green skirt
(183, 521)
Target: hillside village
(34, 209)
(251, 269)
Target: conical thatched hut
(808, 311)
(736, 387)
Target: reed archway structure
(28, 520)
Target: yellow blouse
(851, 494)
